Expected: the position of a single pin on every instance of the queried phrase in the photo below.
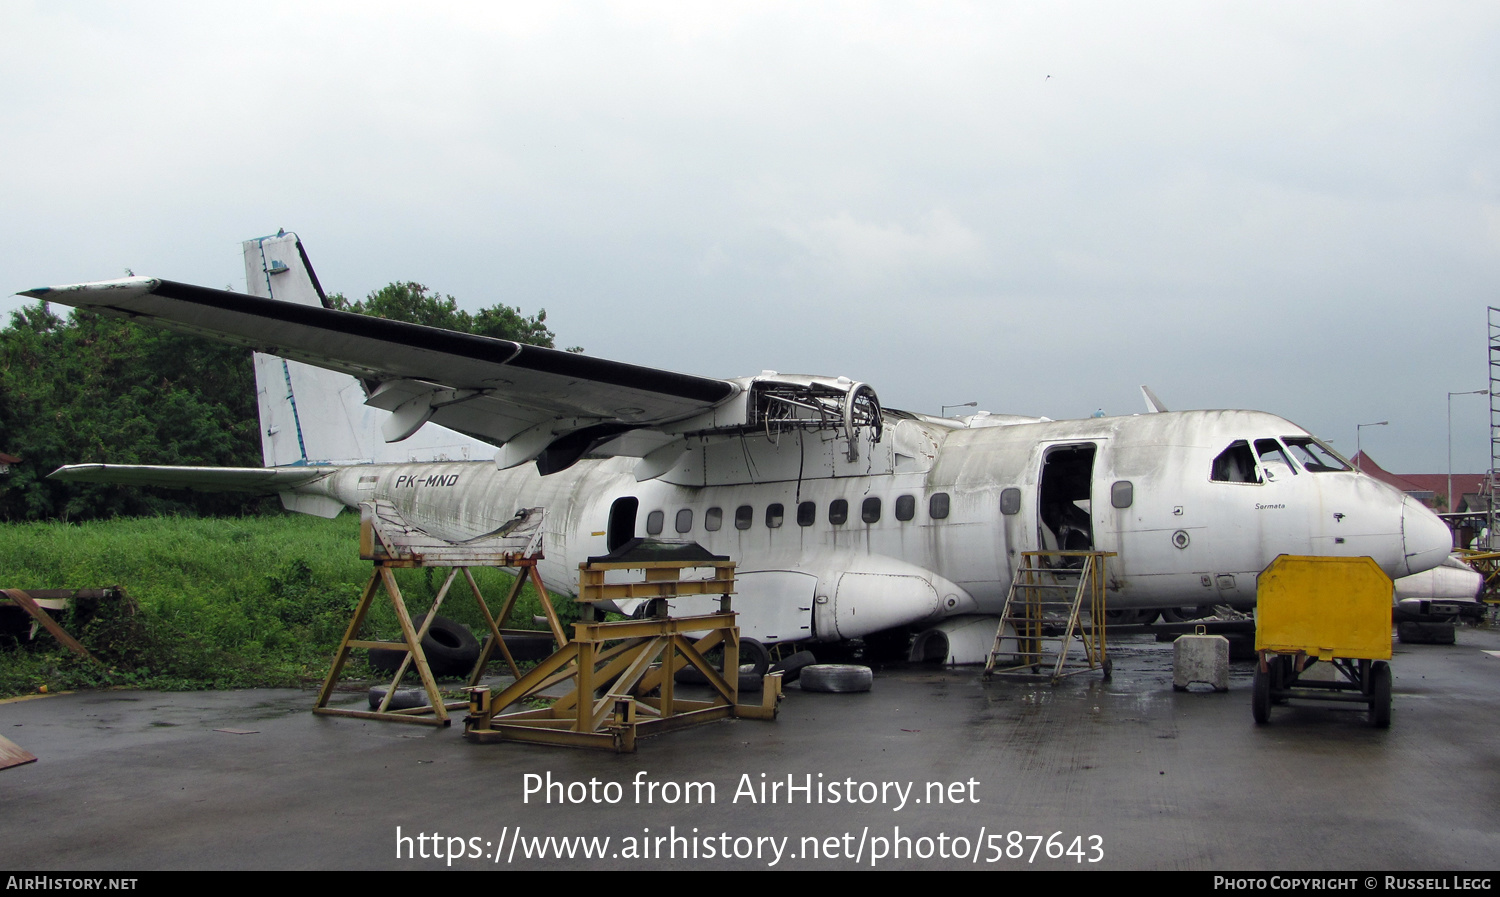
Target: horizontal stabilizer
(265, 480)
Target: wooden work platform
(623, 674)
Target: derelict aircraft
(845, 518)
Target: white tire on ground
(836, 677)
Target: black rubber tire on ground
(451, 649)
(1380, 699)
(791, 667)
(1411, 633)
(755, 654)
(404, 699)
(528, 647)
(755, 662)
(1260, 696)
(837, 677)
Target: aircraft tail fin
(1153, 404)
(310, 416)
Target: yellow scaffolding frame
(623, 673)
(389, 542)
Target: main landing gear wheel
(1380, 687)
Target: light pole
(1359, 456)
(1475, 392)
(960, 405)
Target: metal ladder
(1047, 599)
(1493, 314)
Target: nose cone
(1428, 541)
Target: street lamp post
(1475, 392)
(1359, 456)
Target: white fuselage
(1188, 528)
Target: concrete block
(1200, 658)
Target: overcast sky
(1292, 207)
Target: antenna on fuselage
(1153, 404)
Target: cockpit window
(1236, 464)
(1273, 460)
(1314, 456)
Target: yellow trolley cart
(1334, 610)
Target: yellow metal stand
(1486, 564)
(1051, 598)
(390, 542)
(622, 673)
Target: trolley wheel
(1260, 696)
(1380, 701)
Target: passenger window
(1010, 501)
(807, 513)
(774, 513)
(869, 512)
(743, 516)
(654, 522)
(713, 519)
(937, 506)
(838, 512)
(1235, 464)
(906, 507)
(685, 520)
(1122, 493)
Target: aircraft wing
(544, 403)
(268, 480)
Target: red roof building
(1430, 487)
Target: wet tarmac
(932, 769)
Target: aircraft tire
(1260, 697)
(755, 663)
(1380, 686)
(404, 699)
(1411, 633)
(837, 678)
(755, 653)
(791, 667)
(451, 649)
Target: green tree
(413, 302)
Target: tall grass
(222, 603)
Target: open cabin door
(1065, 507)
(622, 521)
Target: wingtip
(61, 293)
